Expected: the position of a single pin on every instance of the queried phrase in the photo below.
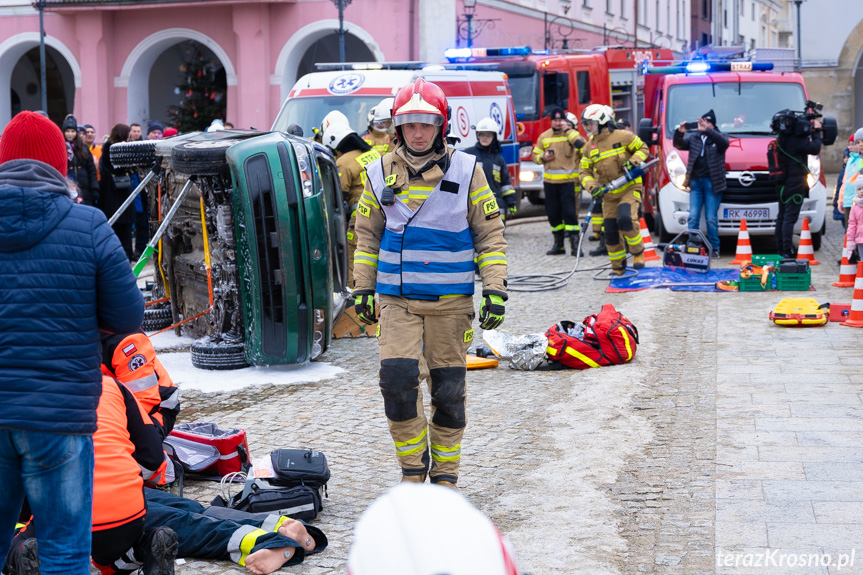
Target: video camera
(796, 123)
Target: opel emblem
(746, 179)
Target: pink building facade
(117, 60)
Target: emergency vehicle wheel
(201, 158)
(533, 197)
(133, 154)
(663, 236)
(156, 319)
(218, 356)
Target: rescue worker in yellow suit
(425, 210)
(381, 135)
(557, 150)
(605, 157)
(353, 154)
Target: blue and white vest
(429, 252)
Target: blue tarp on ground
(655, 278)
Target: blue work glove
(492, 309)
(364, 305)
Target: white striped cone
(846, 271)
(805, 251)
(744, 247)
(649, 248)
(855, 318)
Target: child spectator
(852, 171)
(854, 214)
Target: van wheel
(133, 154)
(662, 236)
(533, 197)
(218, 356)
(156, 319)
(201, 158)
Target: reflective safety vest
(428, 253)
(133, 361)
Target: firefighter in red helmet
(425, 209)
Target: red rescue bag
(606, 338)
(231, 444)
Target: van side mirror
(647, 132)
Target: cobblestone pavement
(725, 433)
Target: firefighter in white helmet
(332, 117)
(487, 151)
(353, 154)
(427, 530)
(557, 151)
(426, 209)
(605, 157)
(381, 134)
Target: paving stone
(825, 537)
(735, 511)
(819, 471)
(809, 424)
(838, 512)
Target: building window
(642, 12)
(753, 11)
(657, 16)
(608, 6)
(725, 18)
(742, 8)
(586, 3)
(705, 13)
(623, 9)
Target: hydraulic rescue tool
(154, 172)
(148, 251)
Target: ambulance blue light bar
(704, 66)
(330, 66)
(462, 54)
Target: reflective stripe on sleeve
(139, 385)
(370, 199)
(366, 258)
(491, 258)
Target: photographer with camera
(798, 136)
(705, 172)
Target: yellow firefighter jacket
(352, 167)
(382, 143)
(604, 156)
(564, 166)
(483, 219)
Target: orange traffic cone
(855, 318)
(649, 248)
(744, 248)
(805, 251)
(846, 270)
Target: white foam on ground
(186, 376)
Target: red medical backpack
(609, 338)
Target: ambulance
(571, 79)
(355, 88)
(744, 95)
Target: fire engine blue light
(697, 67)
(457, 53)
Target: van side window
(583, 81)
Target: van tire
(133, 154)
(205, 158)
(662, 236)
(218, 356)
(533, 197)
(156, 319)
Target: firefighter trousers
(219, 533)
(596, 217)
(620, 213)
(440, 332)
(352, 247)
(561, 206)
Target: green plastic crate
(766, 259)
(754, 283)
(794, 282)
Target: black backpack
(776, 163)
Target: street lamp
(564, 31)
(797, 3)
(467, 28)
(40, 5)
(341, 5)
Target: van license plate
(748, 213)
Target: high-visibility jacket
(428, 253)
(381, 142)
(352, 168)
(564, 166)
(127, 450)
(133, 361)
(414, 190)
(604, 157)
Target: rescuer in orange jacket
(130, 358)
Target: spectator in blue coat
(63, 275)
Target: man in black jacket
(705, 173)
(488, 154)
(795, 150)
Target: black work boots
(157, 550)
(557, 249)
(573, 244)
(23, 559)
(601, 249)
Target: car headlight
(676, 169)
(524, 152)
(526, 176)
(814, 164)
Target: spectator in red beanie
(170, 132)
(63, 275)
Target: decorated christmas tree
(203, 95)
